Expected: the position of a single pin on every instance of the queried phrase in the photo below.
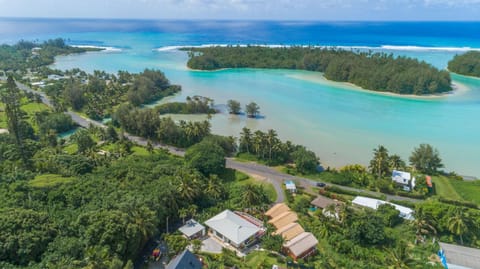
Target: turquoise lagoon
(339, 122)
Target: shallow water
(339, 123)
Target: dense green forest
(372, 71)
(194, 105)
(25, 54)
(68, 204)
(466, 64)
(99, 93)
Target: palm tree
(252, 195)
(395, 162)
(183, 213)
(423, 226)
(379, 164)
(187, 188)
(258, 143)
(272, 140)
(214, 187)
(245, 139)
(457, 224)
(399, 256)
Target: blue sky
(445, 10)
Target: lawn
(457, 189)
(140, 151)
(32, 107)
(269, 189)
(444, 188)
(260, 259)
(468, 190)
(48, 180)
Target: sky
(321, 10)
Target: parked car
(320, 184)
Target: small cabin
(403, 179)
(290, 186)
(192, 230)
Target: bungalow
(192, 229)
(185, 260)
(302, 246)
(283, 219)
(234, 229)
(323, 202)
(290, 186)
(405, 212)
(403, 179)
(290, 231)
(277, 210)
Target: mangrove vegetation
(372, 71)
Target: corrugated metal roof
(301, 243)
(185, 260)
(232, 226)
(191, 227)
(405, 212)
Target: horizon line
(227, 19)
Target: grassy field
(461, 190)
(444, 188)
(269, 189)
(48, 180)
(468, 190)
(260, 259)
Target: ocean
(339, 122)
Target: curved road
(266, 173)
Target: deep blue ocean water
(340, 123)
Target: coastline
(458, 88)
(318, 77)
(100, 48)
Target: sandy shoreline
(458, 88)
(317, 77)
(102, 48)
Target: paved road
(277, 178)
(269, 174)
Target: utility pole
(167, 224)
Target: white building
(234, 229)
(404, 179)
(405, 212)
(290, 186)
(192, 229)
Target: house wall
(305, 254)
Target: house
(323, 202)
(283, 219)
(290, 186)
(192, 229)
(302, 246)
(459, 257)
(234, 229)
(277, 210)
(185, 260)
(290, 231)
(405, 212)
(403, 179)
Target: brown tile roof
(277, 210)
(301, 243)
(284, 219)
(323, 202)
(290, 231)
